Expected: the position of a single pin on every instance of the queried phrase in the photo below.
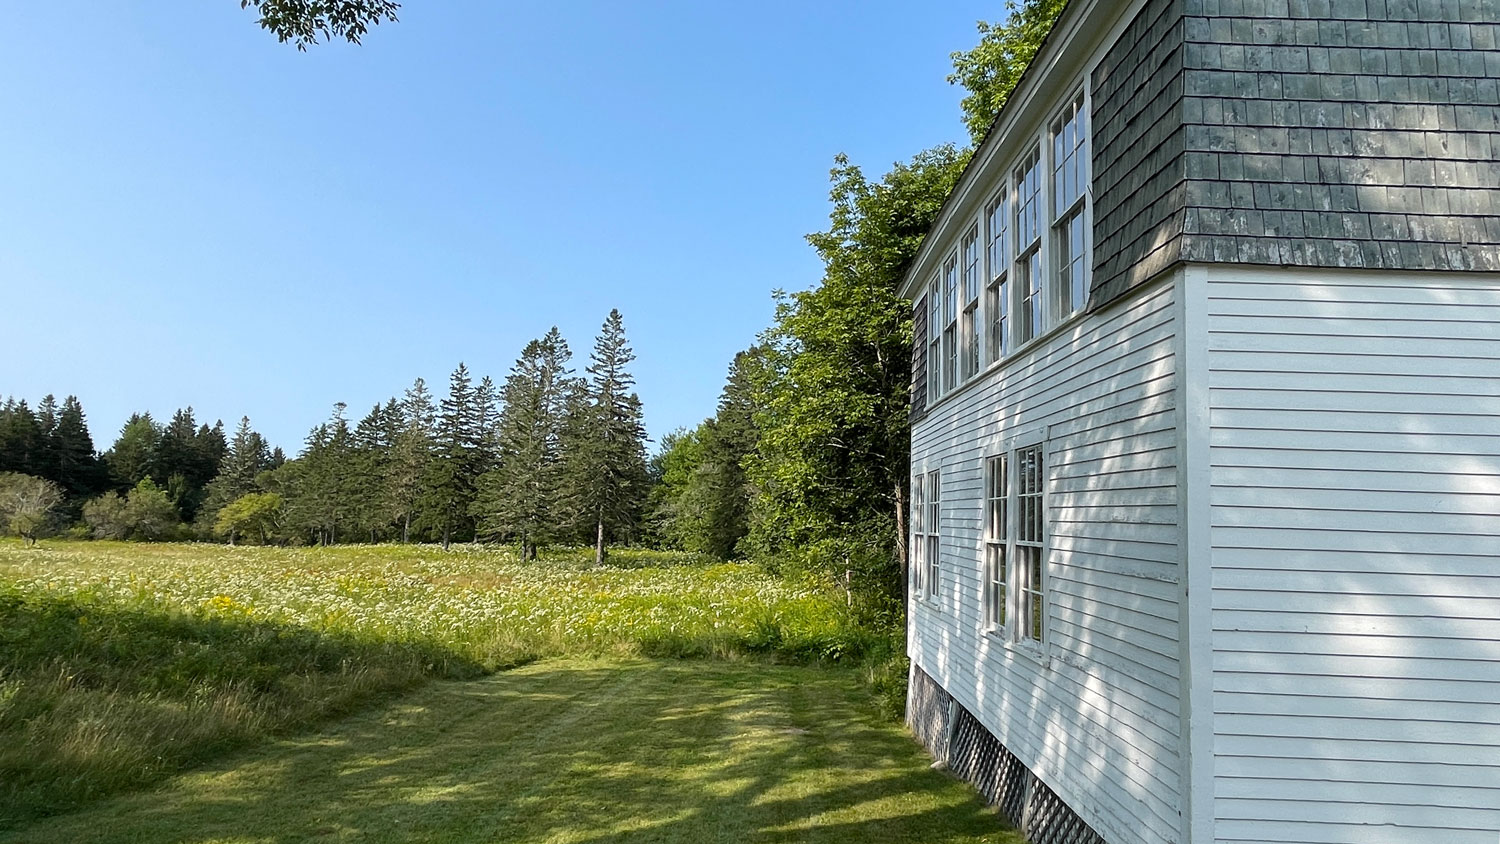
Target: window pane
(971, 340)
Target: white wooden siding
(1354, 441)
(1097, 716)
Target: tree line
(551, 456)
(805, 464)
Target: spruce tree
(605, 443)
(520, 496)
(134, 455)
(321, 483)
(79, 471)
(246, 456)
(411, 452)
(369, 464)
(449, 482)
(20, 438)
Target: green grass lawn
(277, 695)
(575, 750)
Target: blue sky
(194, 214)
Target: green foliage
(51, 443)
(247, 456)
(833, 392)
(106, 517)
(604, 444)
(450, 479)
(255, 514)
(150, 514)
(522, 496)
(301, 21)
(411, 452)
(990, 71)
(27, 504)
(700, 500)
(133, 456)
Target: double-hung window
(969, 323)
(950, 324)
(1030, 543)
(918, 535)
(934, 539)
(997, 291)
(1070, 233)
(996, 574)
(934, 342)
(1031, 304)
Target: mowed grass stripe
(567, 752)
(124, 663)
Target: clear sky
(194, 214)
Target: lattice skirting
(956, 737)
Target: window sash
(1030, 542)
(1072, 263)
(969, 334)
(997, 480)
(1069, 201)
(934, 532)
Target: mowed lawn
(198, 693)
(574, 750)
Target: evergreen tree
(369, 466)
(78, 469)
(700, 498)
(604, 442)
(20, 438)
(728, 439)
(187, 459)
(519, 497)
(451, 476)
(133, 457)
(44, 459)
(246, 456)
(411, 452)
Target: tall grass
(121, 663)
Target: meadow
(122, 664)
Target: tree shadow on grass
(96, 698)
(593, 753)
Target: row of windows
(1014, 519)
(1016, 261)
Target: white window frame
(1070, 218)
(1020, 281)
(997, 288)
(950, 322)
(996, 518)
(1029, 248)
(969, 266)
(1029, 547)
(934, 520)
(918, 533)
(934, 341)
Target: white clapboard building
(1205, 455)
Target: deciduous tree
(302, 21)
(830, 467)
(26, 504)
(990, 71)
